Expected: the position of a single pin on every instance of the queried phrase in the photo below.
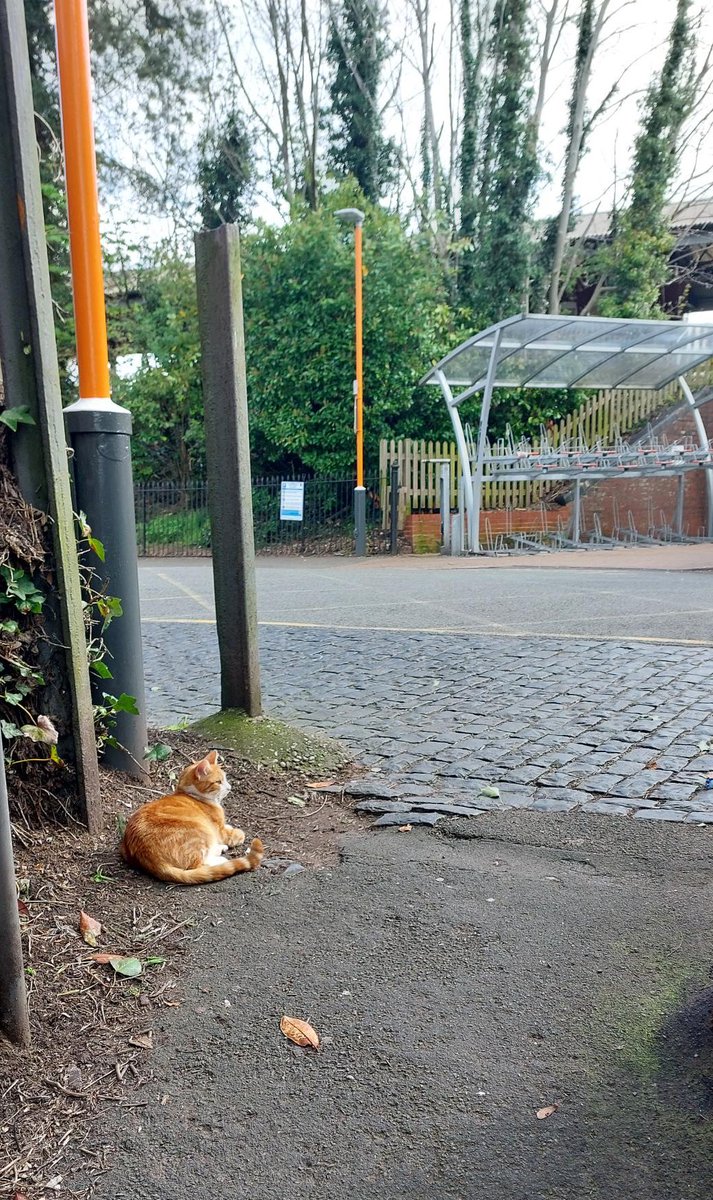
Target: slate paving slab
(410, 818)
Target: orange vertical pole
(358, 277)
(82, 198)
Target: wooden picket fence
(602, 417)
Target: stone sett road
(565, 689)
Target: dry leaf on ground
(542, 1113)
(102, 958)
(145, 1040)
(323, 783)
(299, 1032)
(405, 828)
(89, 928)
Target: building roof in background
(680, 217)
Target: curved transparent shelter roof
(537, 350)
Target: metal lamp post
(355, 217)
(99, 429)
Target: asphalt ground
(619, 604)
(459, 987)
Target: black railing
(172, 518)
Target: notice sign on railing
(292, 500)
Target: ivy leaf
(126, 966)
(126, 704)
(97, 547)
(158, 753)
(102, 669)
(9, 730)
(12, 417)
(109, 607)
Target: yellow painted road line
(481, 633)
(181, 587)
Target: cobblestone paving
(605, 727)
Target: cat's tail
(209, 874)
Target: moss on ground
(271, 743)
(641, 1025)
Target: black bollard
(394, 515)
(100, 435)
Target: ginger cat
(181, 838)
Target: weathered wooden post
(28, 362)
(14, 1022)
(227, 436)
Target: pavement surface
(465, 978)
(459, 986)
(562, 689)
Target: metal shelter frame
(543, 351)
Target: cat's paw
(255, 853)
(234, 837)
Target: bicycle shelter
(542, 351)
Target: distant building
(690, 288)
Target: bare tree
(590, 25)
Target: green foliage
(158, 753)
(468, 144)
(182, 528)
(503, 250)
(356, 51)
(226, 174)
(165, 396)
(12, 417)
(635, 265)
(18, 588)
(299, 329)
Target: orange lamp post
(99, 429)
(355, 217)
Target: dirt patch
(91, 1027)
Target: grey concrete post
(100, 434)
(577, 531)
(445, 502)
(14, 1022)
(227, 435)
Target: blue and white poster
(292, 500)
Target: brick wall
(647, 498)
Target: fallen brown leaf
(102, 958)
(323, 783)
(652, 764)
(299, 1032)
(89, 928)
(145, 1040)
(542, 1113)
(24, 912)
(405, 828)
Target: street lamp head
(354, 216)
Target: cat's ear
(201, 768)
(211, 757)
